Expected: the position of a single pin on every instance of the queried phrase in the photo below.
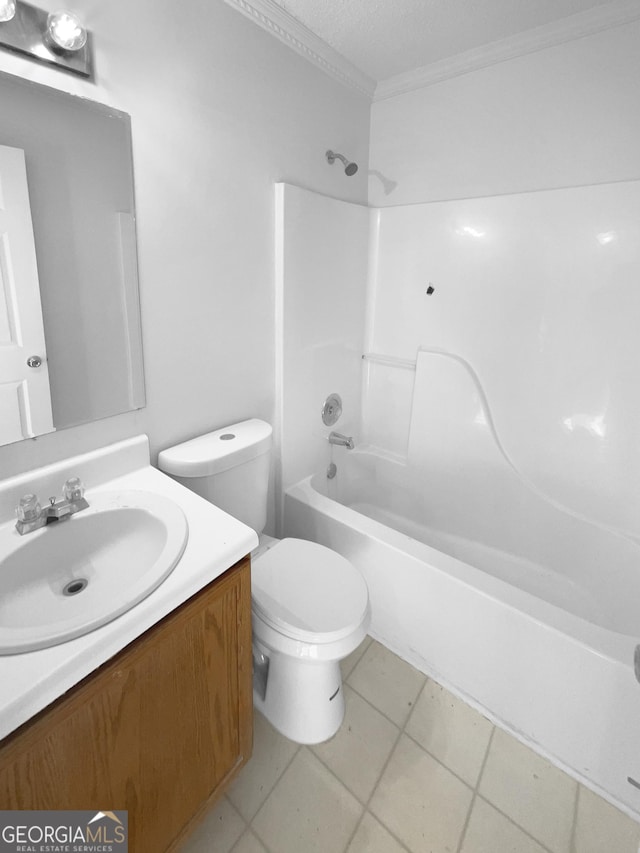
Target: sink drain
(75, 586)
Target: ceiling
(383, 38)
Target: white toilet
(310, 606)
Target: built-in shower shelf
(389, 360)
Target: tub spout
(341, 440)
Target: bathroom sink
(73, 576)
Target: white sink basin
(73, 576)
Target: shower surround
(539, 293)
(491, 501)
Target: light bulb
(7, 10)
(65, 32)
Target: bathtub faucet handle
(341, 440)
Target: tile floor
(412, 769)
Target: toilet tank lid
(217, 451)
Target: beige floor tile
(450, 730)
(347, 665)
(420, 801)
(491, 832)
(531, 791)
(372, 837)
(358, 752)
(308, 811)
(388, 682)
(218, 832)
(601, 828)
(248, 843)
(271, 754)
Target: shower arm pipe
(350, 167)
(332, 156)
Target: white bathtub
(528, 613)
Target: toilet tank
(229, 467)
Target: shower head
(349, 168)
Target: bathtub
(528, 613)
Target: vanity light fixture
(58, 38)
(65, 32)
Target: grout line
(427, 681)
(499, 810)
(233, 808)
(348, 790)
(365, 803)
(364, 645)
(259, 837)
(424, 748)
(401, 731)
(391, 833)
(261, 840)
(440, 762)
(475, 792)
(272, 788)
(355, 830)
(511, 820)
(361, 802)
(246, 829)
(485, 759)
(224, 798)
(466, 822)
(572, 843)
(391, 751)
(395, 723)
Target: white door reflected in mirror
(25, 395)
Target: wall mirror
(66, 169)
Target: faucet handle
(73, 489)
(28, 508)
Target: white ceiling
(383, 38)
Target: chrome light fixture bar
(57, 39)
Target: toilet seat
(308, 592)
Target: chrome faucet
(341, 440)
(31, 516)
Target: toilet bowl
(309, 610)
(309, 607)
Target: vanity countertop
(32, 680)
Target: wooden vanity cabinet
(159, 730)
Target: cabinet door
(159, 730)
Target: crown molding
(275, 20)
(279, 23)
(566, 29)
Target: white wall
(564, 116)
(220, 111)
(321, 284)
